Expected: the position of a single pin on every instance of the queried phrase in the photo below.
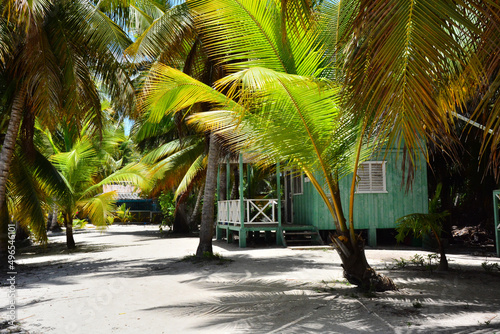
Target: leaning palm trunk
(357, 271)
(207, 214)
(5, 162)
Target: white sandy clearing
(129, 280)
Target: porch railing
(257, 211)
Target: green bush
(167, 206)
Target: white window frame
(371, 186)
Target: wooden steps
(301, 236)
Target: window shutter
(371, 177)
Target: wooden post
(243, 233)
(249, 191)
(279, 231)
(372, 236)
(278, 191)
(218, 232)
(497, 223)
(228, 181)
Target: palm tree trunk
(6, 154)
(193, 220)
(70, 242)
(207, 213)
(443, 262)
(351, 249)
(53, 225)
(236, 183)
(223, 183)
(357, 271)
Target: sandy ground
(128, 280)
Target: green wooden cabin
(380, 199)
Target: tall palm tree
(279, 101)
(173, 38)
(51, 53)
(404, 67)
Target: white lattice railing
(257, 211)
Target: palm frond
(390, 82)
(194, 172)
(166, 34)
(98, 208)
(172, 168)
(170, 148)
(420, 224)
(136, 173)
(290, 119)
(168, 90)
(241, 31)
(27, 198)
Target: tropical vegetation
(315, 85)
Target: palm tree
(81, 168)
(282, 100)
(51, 53)
(173, 38)
(404, 66)
(416, 65)
(421, 224)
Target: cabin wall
(371, 211)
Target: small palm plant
(123, 213)
(425, 223)
(81, 169)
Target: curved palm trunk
(351, 249)
(357, 271)
(207, 213)
(6, 154)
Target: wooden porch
(248, 215)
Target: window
(371, 177)
(297, 183)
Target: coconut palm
(81, 169)
(282, 116)
(416, 65)
(51, 54)
(32, 184)
(406, 68)
(173, 38)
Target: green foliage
(79, 223)
(422, 223)
(123, 213)
(417, 260)
(490, 266)
(167, 206)
(401, 263)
